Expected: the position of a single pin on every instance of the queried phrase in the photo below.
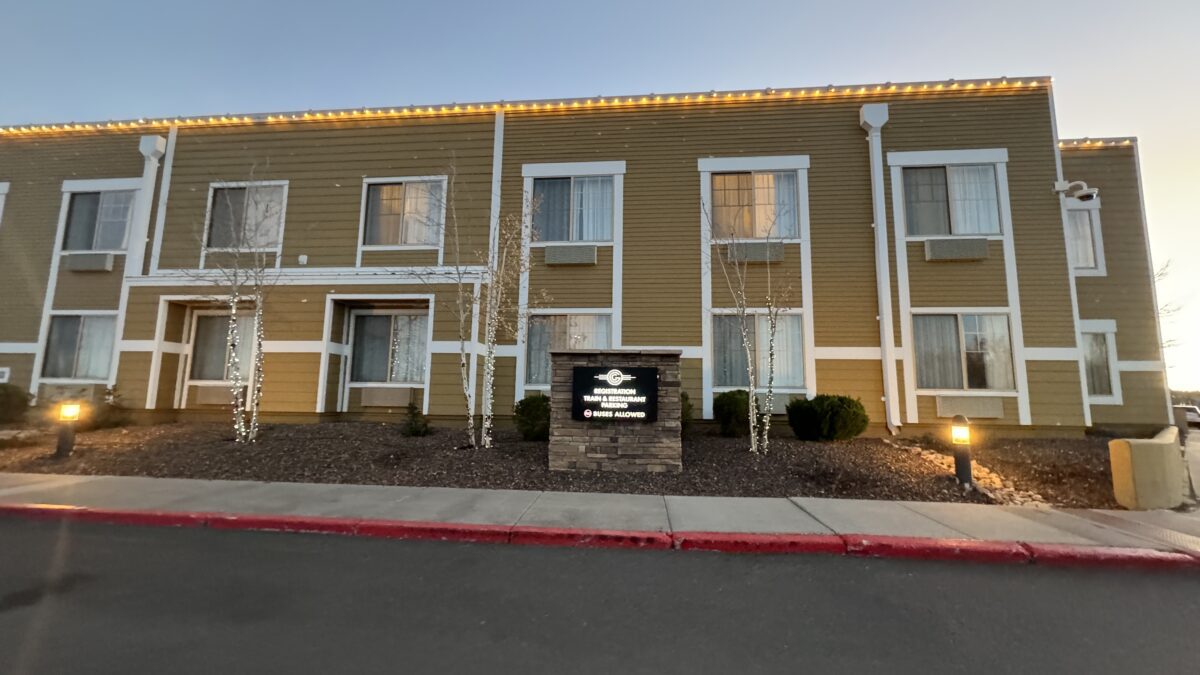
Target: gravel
(1070, 472)
(375, 453)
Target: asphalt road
(105, 599)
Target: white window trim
(1092, 208)
(102, 185)
(910, 352)
(1107, 328)
(562, 311)
(589, 170)
(40, 357)
(370, 311)
(756, 312)
(948, 157)
(189, 349)
(205, 249)
(572, 169)
(755, 240)
(368, 181)
(706, 166)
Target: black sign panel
(608, 394)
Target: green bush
(827, 418)
(14, 403)
(532, 417)
(415, 423)
(732, 410)
(687, 413)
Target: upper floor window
(408, 213)
(98, 221)
(390, 347)
(80, 347)
(960, 199)
(729, 352)
(963, 351)
(754, 205)
(246, 218)
(562, 331)
(1083, 241)
(573, 209)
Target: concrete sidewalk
(863, 527)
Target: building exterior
(924, 239)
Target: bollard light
(68, 415)
(960, 437)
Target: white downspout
(872, 117)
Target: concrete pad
(1085, 528)
(454, 505)
(740, 514)
(983, 521)
(868, 516)
(1187, 523)
(598, 511)
(117, 492)
(252, 497)
(19, 483)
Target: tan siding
(20, 368)
(89, 290)
(1125, 294)
(354, 403)
(779, 280)
(133, 376)
(168, 381)
(333, 380)
(445, 386)
(36, 168)
(399, 258)
(978, 283)
(1055, 397)
(691, 377)
(506, 383)
(325, 164)
(290, 382)
(1145, 402)
(571, 285)
(862, 379)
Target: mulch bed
(375, 453)
(1072, 472)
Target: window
(389, 348)
(573, 209)
(951, 200)
(754, 205)
(562, 331)
(246, 218)
(1095, 361)
(97, 221)
(1081, 240)
(963, 351)
(729, 355)
(210, 348)
(79, 347)
(404, 214)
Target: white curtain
(974, 207)
(935, 339)
(1081, 249)
(775, 205)
(988, 351)
(112, 220)
(95, 347)
(729, 356)
(422, 213)
(1095, 360)
(263, 216)
(789, 350)
(562, 331)
(409, 332)
(593, 208)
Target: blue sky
(1120, 68)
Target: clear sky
(1120, 68)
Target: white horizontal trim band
(1051, 354)
(848, 353)
(18, 347)
(767, 163)
(566, 169)
(293, 346)
(936, 157)
(1098, 325)
(1140, 366)
(101, 184)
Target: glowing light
(68, 412)
(960, 431)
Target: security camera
(1087, 195)
(1077, 189)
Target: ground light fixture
(960, 437)
(68, 415)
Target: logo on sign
(615, 377)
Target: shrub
(415, 424)
(827, 418)
(687, 412)
(14, 403)
(732, 410)
(532, 417)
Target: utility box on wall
(615, 410)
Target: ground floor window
(79, 347)
(1096, 363)
(389, 348)
(562, 331)
(963, 351)
(211, 349)
(729, 354)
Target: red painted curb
(927, 548)
(273, 523)
(560, 536)
(110, 516)
(1106, 556)
(411, 529)
(737, 542)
